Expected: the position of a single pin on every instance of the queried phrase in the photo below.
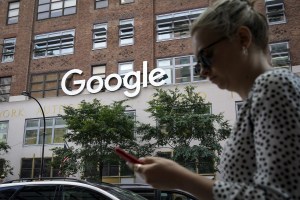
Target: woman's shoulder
(276, 79)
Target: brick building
(40, 40)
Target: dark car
(151, 193)
(63, 190)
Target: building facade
(41, 40)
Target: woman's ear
(245, 36)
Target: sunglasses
(202, 60)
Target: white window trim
(278, 22)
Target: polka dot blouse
(261, 158)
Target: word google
(155, 79)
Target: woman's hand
(161, 173)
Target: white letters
(131, 81)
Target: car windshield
(120, 193)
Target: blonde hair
(226, 16)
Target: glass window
(179, 69)
(13, 12)
(275, 13)
(101, 3)
(47, 85)
(57, 8)
(34, 129)
(175, 25)
(126, 1)
(126, 32)
(3, 131)
(8, 51)
(54, 44)
(30, 168)
(37, 192)
(100, 36)
(5, 83)
(280, 54)
(124, 68)
(75, 192)
(98, 70)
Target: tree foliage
(184, 119)
(96, 129)
(5, 167)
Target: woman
(261, 158)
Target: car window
(168, 195)
(120, 193)
(71, 192)
(147, 193)
(37, 192)
(7, 192)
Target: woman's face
(223, 56)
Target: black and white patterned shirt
(261, 158)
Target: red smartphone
(126, 156)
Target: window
(124, 68)
(5, 83)
(30, 168)
(126, 1)
(126, 32)
(275, 12)
(116, 169)
(48, 85)
(101, 3)
(54, 44)
(55, 8)
(280, 54)
(3, 131)
(179, 69)
(8, 52)
(75, 192)
(100, 36)
(55, 131)
(98, 70)
(31, 192)
(164, 154)
(175, 25)
(13, 12)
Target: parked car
(68, 189)
(151, 193)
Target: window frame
(268, 13)
(125, 25)
(8, 13)
(50, 10)
(40, 128)
(98, 1)
(102, 75)
(280, 54)
(172, 18)
(44, 81)
(36, 166)
(5, 85)
(4, 135)
(173, 66)
(9, 43)
(56, 37)
(122, 3)
(98, 29)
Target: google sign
(155, 79)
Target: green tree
(183, 119)
(96, 129)
(5, 167)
